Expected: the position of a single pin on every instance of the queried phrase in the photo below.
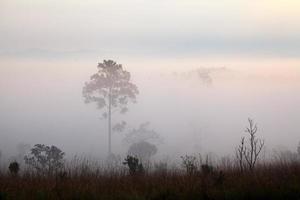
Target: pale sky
(153, 27)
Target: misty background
(202, 68)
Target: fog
(202, 69)
(195, 105)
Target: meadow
(277, 179)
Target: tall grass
(83, 179)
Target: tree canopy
(110, 85)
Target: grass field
(276, 180)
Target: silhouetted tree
(44, 158)
(110, 88)
(142, 142)
(134, 165)
(249, 152)
(240, 154)
(14, 168)
(190, 164)
(298, 149)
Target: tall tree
(111, 89)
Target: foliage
(143, 133)
(134, 165)
(14, 168)
(119, 127)
(45, 159)
(142, 142)
(111, 84)
(142, 150)
(190, 164)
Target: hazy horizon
(202, 68)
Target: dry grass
(277, 180)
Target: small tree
(14, 168)
(45, 159)
(134, 165)
(190, 164)
(240, 154)
(110, 88)
(249, 152)
(142, 150)
(142, 142)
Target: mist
(149, 99)
(202, 69)
(195, 105)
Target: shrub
(135, 167)
(14, 168)
(143, 150)
(45, 159)
(189, 163)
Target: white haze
(41, 102)
(202, 67)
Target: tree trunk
(109, 124)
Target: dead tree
(240, 154)
(255, 145)
(248, 151)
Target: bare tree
(190, 164)
(110, 88)
(240, 154)
(250, 151)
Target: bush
(143, 150)
(45, 159)
(135, 167)
(190, 164)
(14, 168)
